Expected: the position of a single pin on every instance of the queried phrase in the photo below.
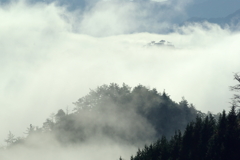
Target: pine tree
(232, 135)
(10, 138)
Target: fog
(50, 57)
(87, 151)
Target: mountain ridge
(232, 21)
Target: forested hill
(129, 115)
(204, 139)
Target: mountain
(232, 21)
(161, 43)
(117, 113)
(211, 8)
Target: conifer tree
(10, 138)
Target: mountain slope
(212, 8)
(232, 21)
(117, 113)
(203, 139)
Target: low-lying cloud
(87, 151)
(50, 57)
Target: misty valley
(120, 79)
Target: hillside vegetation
(136, 116)
(203, 139)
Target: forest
(137, 115)
(203, 139)
(206, 138)
(144, 117)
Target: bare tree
(236, 88)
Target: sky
(50, 57)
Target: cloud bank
(50, 57)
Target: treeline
(121, 113)
(203, 139)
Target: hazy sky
(50, 57)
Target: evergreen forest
(203, 139)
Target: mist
(50, 57)
(88, 151)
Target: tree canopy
(121, 113)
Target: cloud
(50, 57)
(106, 18)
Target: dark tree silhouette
(203, 139)
(236, 88)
